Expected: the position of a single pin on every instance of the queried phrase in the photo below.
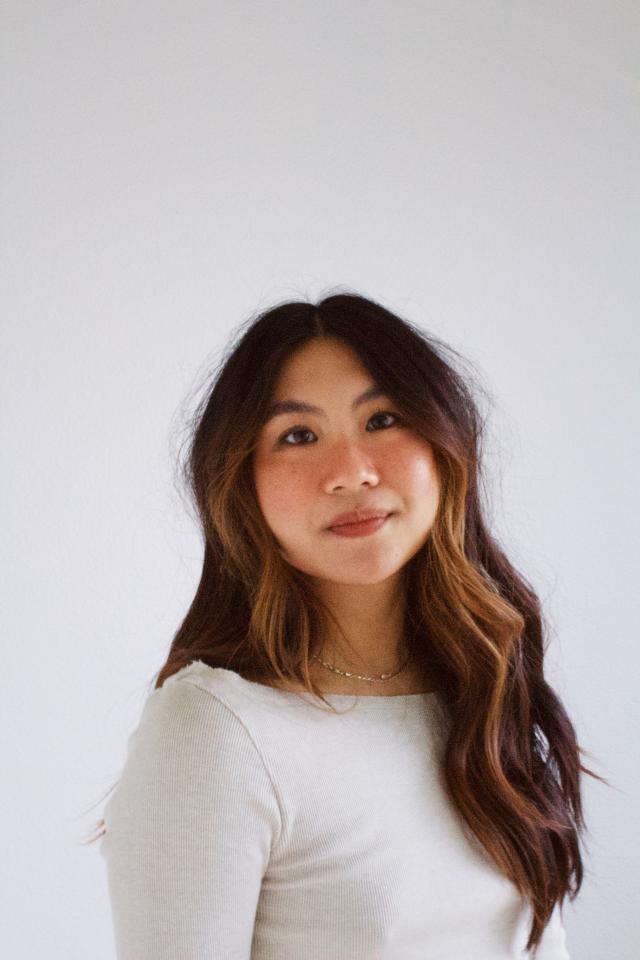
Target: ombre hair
(512, 764)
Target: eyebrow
(296, 406)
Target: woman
(351, 751)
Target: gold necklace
(357, 676)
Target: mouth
(361, 528)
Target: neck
(368, 636)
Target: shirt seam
(276, 792)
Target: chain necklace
(357, 676)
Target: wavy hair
(512, 763)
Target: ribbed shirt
(250, 824)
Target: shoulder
(203, 709)
(214, 718)
(256, 704)
(220, 689)
(249, 701)
(192, 754)
(220, 683)
(192, 823)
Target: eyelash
(282, 440)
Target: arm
(188, 831)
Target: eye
(300, 428)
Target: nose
(348, 467)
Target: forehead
(321, 369)
(321, 360)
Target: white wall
(170, 168)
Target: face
(310, 467)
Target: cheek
(415, 468)
(280, 490)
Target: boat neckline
(276, 692)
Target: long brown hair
(512, 763)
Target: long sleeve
(189, 831)
(249, 825)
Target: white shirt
(249, 824)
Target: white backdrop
(170, 169)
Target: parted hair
(511, 764)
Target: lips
(356, 516)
